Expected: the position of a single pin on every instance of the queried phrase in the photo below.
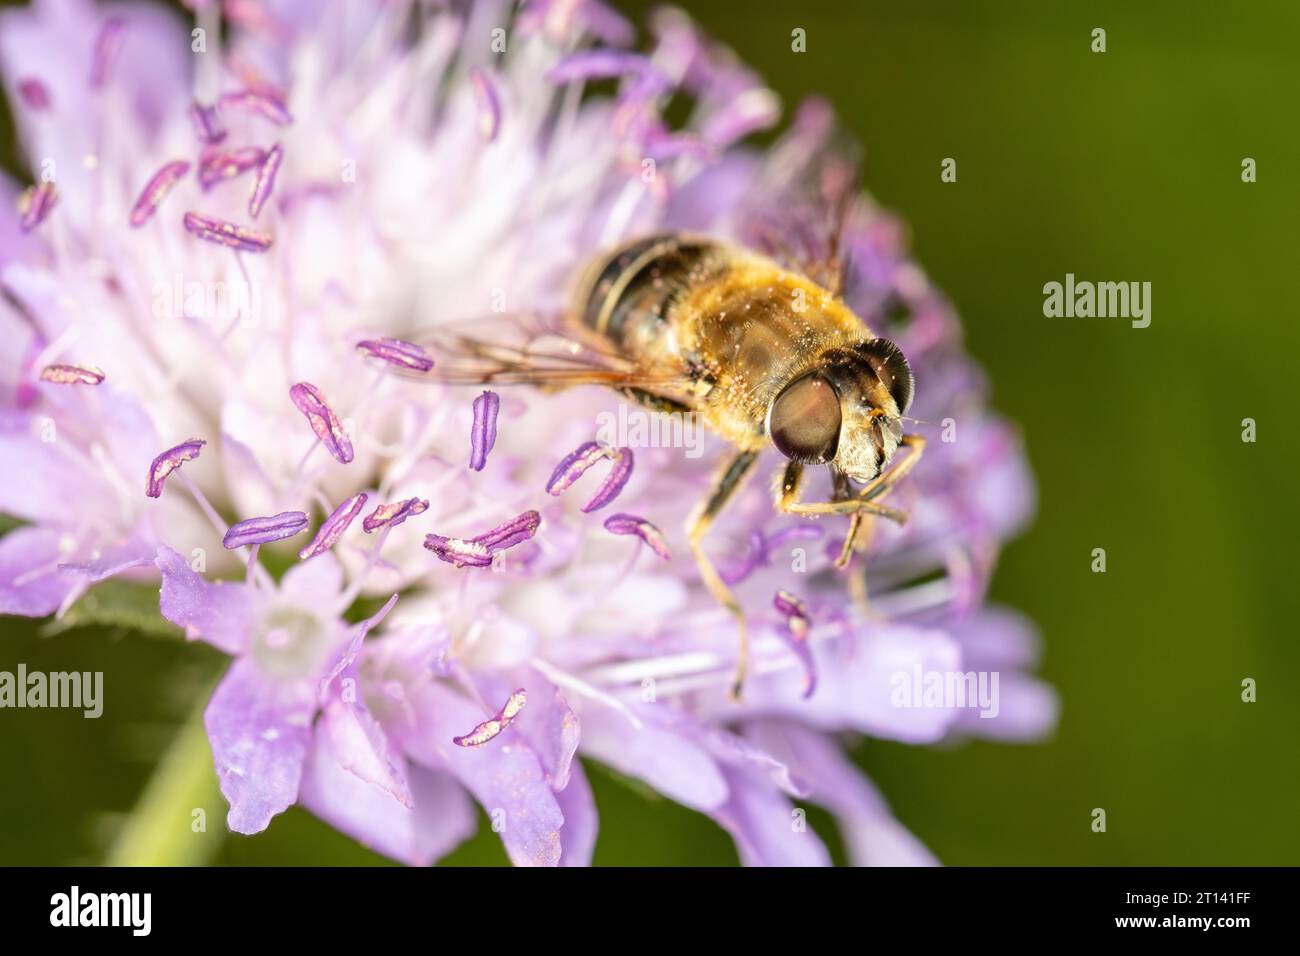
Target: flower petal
(506, 778)
(221, 613)
(260, 731)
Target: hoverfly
(753, 339)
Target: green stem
(166, 827)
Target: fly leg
(861, 507)
(878, 487)
(731, 478)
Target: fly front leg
(878, 487)
(732, 477)
(860, 506)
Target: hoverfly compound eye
(804, 420)
(890, 365)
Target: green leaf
(117, 604)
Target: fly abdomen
(628, 295)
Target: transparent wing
(533, 349)
(804, 196)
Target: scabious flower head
(251, 251)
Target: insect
(759, 346)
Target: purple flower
(626, 662)
(284, 641)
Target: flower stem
(178, 820)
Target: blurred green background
(1117, 166)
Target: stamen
(477, 552)
(391, 515)
(513, 532)
(333, 527)
(106, 46)
(633, 524)
(489, 105)
(34, 93)
(168, 462)
(217, 166)
(35, 204)
(265, 179)
(574, 465)
(265, 530)
(72, 375)
(598, 64)
(156, 190)
(795, 632)
(227, 234)
(483, 433)
(406, 355)
(459, 551)
(259, 103)
(494, 725)
(323, 421)
(207, 123)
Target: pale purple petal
(548, 724)
(308, 400)
(871, 834)
(168, 461)
(222, 613)
(260, 731)
(30, 583)
(506, 779)
(112, 560)
(763, 822)
(859, 684)
(442, 818)
(332, 528)
(672, 763)
(483, 432)
(359, 744)
(581, 821)
(265, 529)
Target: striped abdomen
(627, 297)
